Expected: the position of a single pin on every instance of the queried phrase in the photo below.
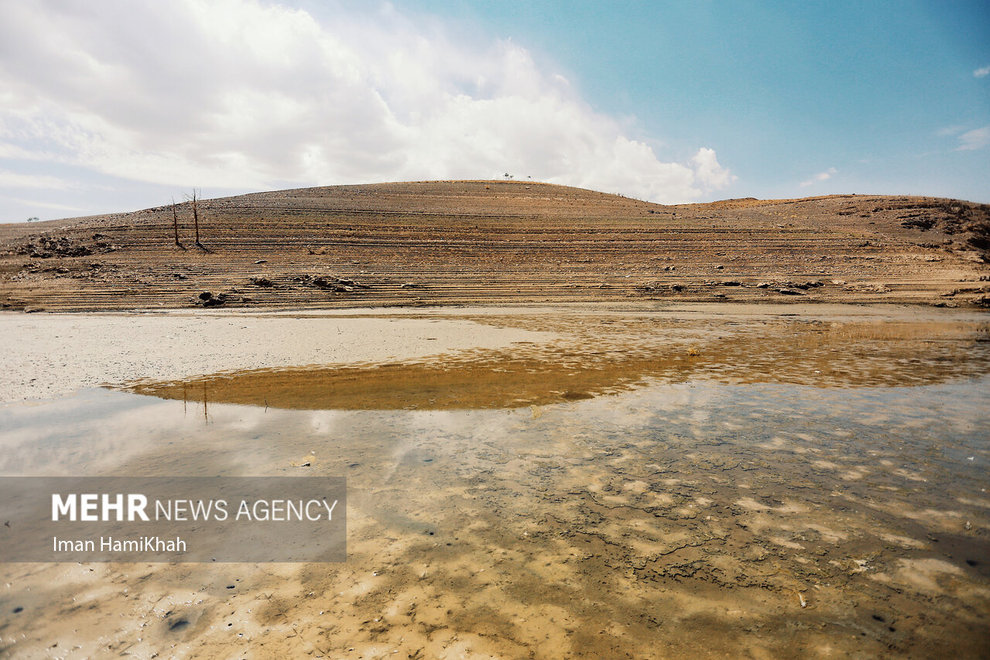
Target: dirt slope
(497, 242)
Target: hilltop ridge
(499, 242)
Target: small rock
(209, 300)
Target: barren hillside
(496, 242)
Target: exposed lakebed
(641, 483)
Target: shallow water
(644, 486)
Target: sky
(118, 105)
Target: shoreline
(55, 354)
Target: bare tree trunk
(196, 217)
(194, 198)
(175, 223)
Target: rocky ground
(498, 242)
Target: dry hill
(495, 242)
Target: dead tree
(195, 209)
(196, 217)
(175, 224)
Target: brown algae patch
(603, 355)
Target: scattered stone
(48, 247)
(790, 292)
(331, 283)
(261, 261)
(731, 283)
(763, 285)
(262, 281)
(655, 287)
(209, 300)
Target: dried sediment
(478, 242)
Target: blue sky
(781, 90)
(124, 104)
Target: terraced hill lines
(494, 242)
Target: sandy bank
(45, 356)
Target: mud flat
(51, 355)
(701, 481)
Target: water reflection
(819, 490)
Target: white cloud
(821, 176)
(34, 203)
(16, 180)
(978, 138)
(982, 72)
(708, 172)
(248, 94)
